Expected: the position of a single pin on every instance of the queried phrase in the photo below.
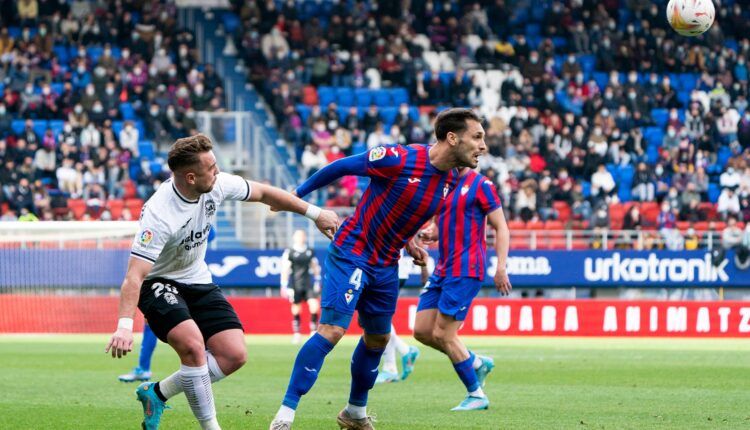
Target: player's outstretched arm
(121, 341)
(496, 220)
(326, 221)
(353, 165)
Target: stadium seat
(660, 116)
(399, 95)
(389, 115)
(115, 207)
(554, 225)
(535, 225)
(713, 192)
(40, 127)
(146, 149)
(326, 95)
(708, 209)
(127, 111)
(134, 205)
(701, 226)
(344, 96)
(563, 210)
(363, 97)
(310, 95)
(382, 98)
(683, 225)
(304, 112)
(78, 207)
(17, 125)
(516, 225)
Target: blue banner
(261, 268)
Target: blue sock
(467, 374)
(364, 367)
(147, 348)
(306, 368)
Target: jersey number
(356, 279)
(158, 288)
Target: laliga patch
(349, 296)
(464, 190)
(145, 237)
(377, 153)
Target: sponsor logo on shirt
(414, 180)
(377, 153)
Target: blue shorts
(349, 285)
(451, 296)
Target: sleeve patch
(145, 238)
(377, 153)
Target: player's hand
(121, 343)
(428, 235)
(327, 223)
(502, 283)
(419, 255)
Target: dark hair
(453, 120)
(186, 151)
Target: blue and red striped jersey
(405, 191)
(461, 225)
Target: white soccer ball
(690, 17)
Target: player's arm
(286, 267)
(326, 221)
(496, 220)
(122, 340)
(382, 162)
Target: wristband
(312, 212)
(125, 323)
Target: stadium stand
(578, 118)
(92, 94)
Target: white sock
(171, 385)
(197, 387)
(356, 412)
(477, 393)
(389, 357)
(477, 362)
(285, 413)
(210, 424)
(401, 346)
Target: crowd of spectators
(595, 81)
(99, 85)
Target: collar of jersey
(183, 197)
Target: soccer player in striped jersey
(408, 185)
(447, 295)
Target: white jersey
(403, 267)
(174, 231)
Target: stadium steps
(225, 232)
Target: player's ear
(452, 138)
(190, 178)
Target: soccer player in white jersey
(167, 278)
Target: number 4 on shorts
(356, 279)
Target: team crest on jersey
(145, 238)
(210, 208)
(464, 190)
(377, 153)
(349, 296)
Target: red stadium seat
(720, 226)
(563, 210)
(134, 205)
(683, 225)
(516, 225)
(535, 225)
(78, 206)
(115, 207)
(708, 209)
(309, 95)
(580, 244)
(701, 226)
(520, 243)
(554, 225)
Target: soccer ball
(690, 17)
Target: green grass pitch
(67, 382)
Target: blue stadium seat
(363, 97)
(713, 192)
(358, 148)
(414, 113)
(61, 52)
(40, 127)
(653, 136)
(560, 43)
(533, 30)
(624, 192)
(146, 149)
(134, 168)
(586, 185)
(652, 154)
(57, 126)
(626, 174)
(141, 128)
(126, 109)
(57, 87)
(156, 167)
(94, 52)
(117, 127)
(660, 116)
(399, 95)
(724, 155)
(326, 95)
(344, 96)
(382, 98)
(602, 79)
(17, 125)
(304, 112)
(231, 22)
(388, 114)
(587, 62)
(688, 81)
